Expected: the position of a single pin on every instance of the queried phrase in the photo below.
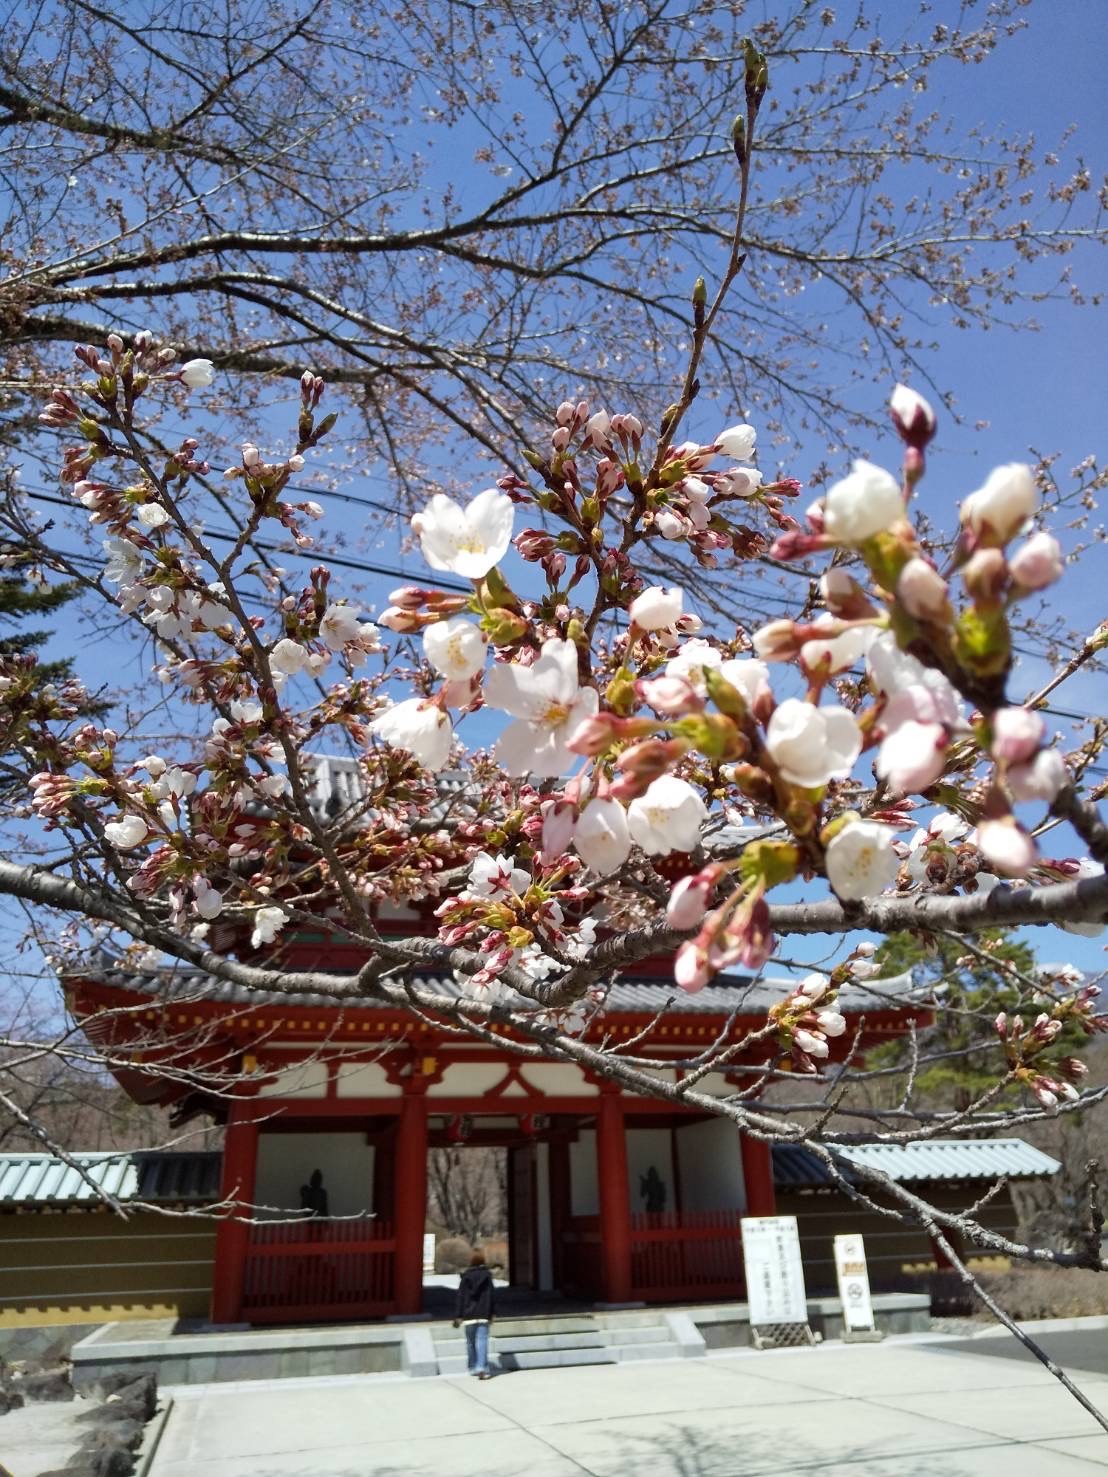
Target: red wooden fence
(319, 1269)
(686, 1254)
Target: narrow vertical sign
(428, 1253)
(774, 1272)
(853, 1275)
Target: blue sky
(1041, 391)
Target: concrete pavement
(911, 1407)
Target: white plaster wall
(582, 1174)
(559, 1079)
(709, 1162)
(468, 1079)
(364, 1079)
(304, 1080)
(542, 1218)
(646, 1147)
(286, 1160)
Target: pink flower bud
(251, 456)
(690, 967)
(1006, 846)
(985, 575)
(811, 1044)
(594, 735)
(921, 589)
(669, 695)
(688, 902)
(558, 820)
(1037, 563)
(1040, 779)
(912, 416)
(1017, 734)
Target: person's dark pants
(477, 1348)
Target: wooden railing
(580, 1272)
(687, 1254)
(319, 1269)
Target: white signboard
(428, 1253)
(850, 1265)
(774, 1274)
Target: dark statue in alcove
(313, 1196)
(652, 1188)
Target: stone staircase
(562, 1339)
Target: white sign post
(775, 1280)
(428, 1253)
(853, 1276)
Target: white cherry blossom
(287, 657)
(424, 730)
(668, 817)
(466, 541)
(748, 676)
(866, 502)
(690, 661)
(602, 838)
(912, 756)
(842, 650)
(737, 442)
(455, 648)
(657, 608)
(812, 745)
(489, 876)
(998, 510)
(548, 706)
(197, 374)
(342, 623)
(127, 832)
(268, 923)
(1040, 778)
(860, 860)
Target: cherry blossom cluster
(633, 742)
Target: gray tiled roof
(626, 996)
(162, 1177)
(931, 1161)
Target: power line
(361, 566)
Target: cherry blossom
(1006, 846)
(860, 860)
(420, 727)
(668, 817)
(657, 608)
(287, 657)
(1037, 563)
(912, 756)
(466, 541)
(913, 416)
(1017, 734)
(999, 509)
(197, 374)
(602, 838)
(690, 661)
(340, 624)
(866, 502)
(489, 876)
(455, 648)
(811, 745)
(1041, 778)
(268, 923)
(548, 706)
(127, 832)
(737, 442)
(922, 591)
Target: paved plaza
(911, 1407)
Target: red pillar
(410, 1199)
(232, 1236)
(615, 1205)
(758, 1176)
